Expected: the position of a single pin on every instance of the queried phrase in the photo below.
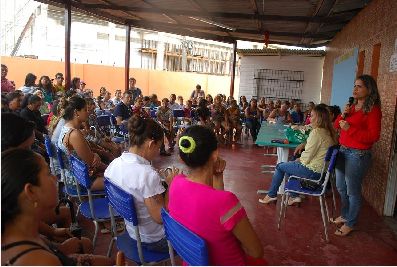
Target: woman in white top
(132, 172)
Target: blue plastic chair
(178, 113)
(50, 152)
(123, 136)
(70, 188)
(123, 203)
(93, 209)
(293, 186)
(189, 246)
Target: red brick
(376, 23)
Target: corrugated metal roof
(309, 23)
(281, 52)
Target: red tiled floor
(300, 241)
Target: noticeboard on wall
(345, 68)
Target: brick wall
(377, 23)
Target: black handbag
(311, 185)
(314, 184)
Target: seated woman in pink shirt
(198, 201)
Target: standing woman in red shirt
(359, 125)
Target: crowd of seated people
(152, 126)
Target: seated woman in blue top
(310, 164)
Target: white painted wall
(311, 66)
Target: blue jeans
(158, 246)
(351, 166)
(290, 168)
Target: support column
(68, 24)
(233, 68)
(161, 52)
(127, 56)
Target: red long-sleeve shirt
(364, 128)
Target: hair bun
(185, 143)
(137, 125)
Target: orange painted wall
(162, 83)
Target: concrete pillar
(160, 51)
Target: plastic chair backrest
(48, 146)
(332, 161)
(123, 128)
(329, 152)
(80, 171)
(121, 201)
(60, 158)
(103, 120)
(178, 113)
(113, 120)
(189, 246)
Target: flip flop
(338, 220)
(343, 231)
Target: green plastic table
(267, 133)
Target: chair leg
(323, 217)
(78, 210)
(326, 208)
(281, 211)
(110, 247)
(95, 234)
(286, 204)
(333, 195)
(171, 252)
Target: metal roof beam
(212, 15)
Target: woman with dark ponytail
(199, 202)
(133, 172)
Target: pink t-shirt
(212, 215)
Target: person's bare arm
(249, 240)
(217, 180)
(299, 148)
(273, 114)
(80, 145)
(154, 205)
(247, 115)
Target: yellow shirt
(59, 88)
(318, 142)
